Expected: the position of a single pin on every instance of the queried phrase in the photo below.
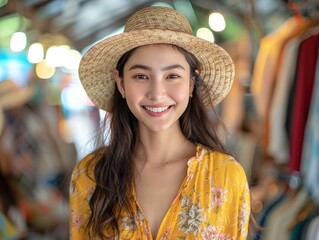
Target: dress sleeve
(81, 189)
(244, 206)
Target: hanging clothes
(313, 230)
(307, 61)
(266, 212)
(310, 152)
(287, 99)
(281, 105)
(278, 221)
(278, 146)
(305, 217)
(267, 66)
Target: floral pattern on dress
(191, 217)
(130, 223)
(90, 191)
(77, 220)
(244, 211)
(211, 233)
(217, 197)
(166, 234)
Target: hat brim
(97, 64)
(16, 98)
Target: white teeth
(156, 110)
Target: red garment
(306, 68)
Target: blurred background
(47, 122)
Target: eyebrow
(136, 66)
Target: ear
(192, 82)
(191, 85)
(119, 82)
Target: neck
(163, 147)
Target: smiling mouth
(157, 109)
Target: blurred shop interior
(271, 115)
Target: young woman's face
(156, 84)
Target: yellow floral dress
(213, 202)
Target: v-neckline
(178, 193)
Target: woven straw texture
(153, 25)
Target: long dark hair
(114, 169)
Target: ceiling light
(217, 22)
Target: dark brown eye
(173, 76)
(140, 76)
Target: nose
(156, 89)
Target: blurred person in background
(13, 222)
(33, 164)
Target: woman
(163, 174)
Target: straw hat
(12, 96)
(154, 25)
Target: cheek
(181, 97)
(134, 91)
(180, 93)
(133, 97)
